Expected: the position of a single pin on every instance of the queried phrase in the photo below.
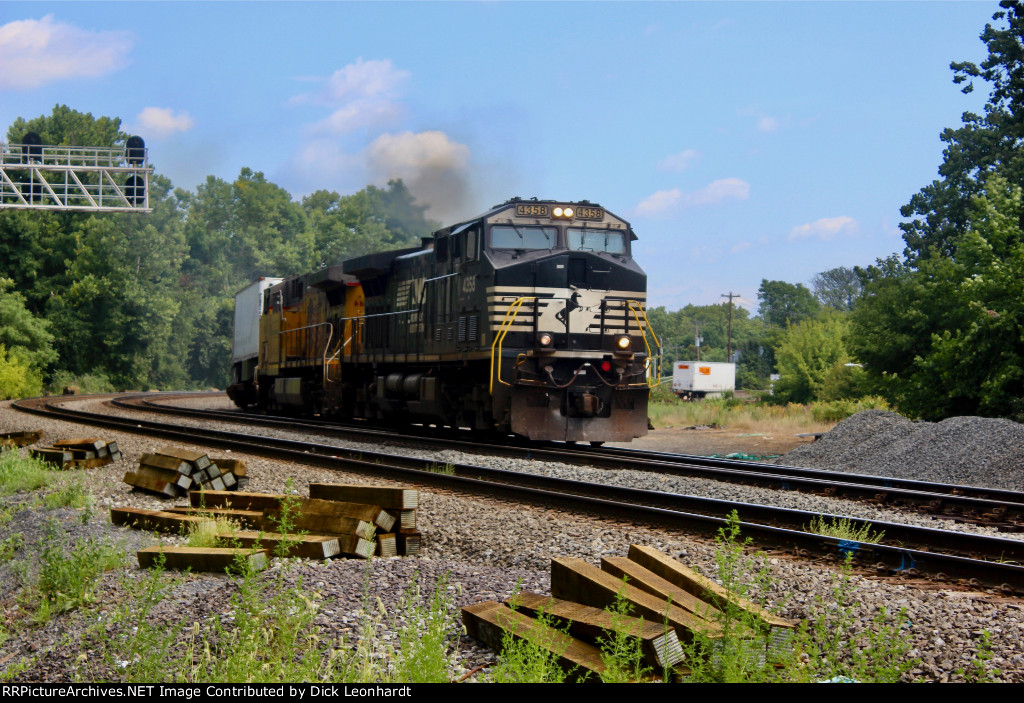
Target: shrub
(18, 378)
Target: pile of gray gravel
(974, 451)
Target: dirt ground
(707, 441)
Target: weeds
(837, 649)
(67, 581)
(845, 528)
(980, 669)
(9, 546)
(443, 469)
(828, 645)
(622, 653)
(73, 495)
(523, 661)
(147, 651)
(423, 639)
(739, 652)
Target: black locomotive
(529, 319)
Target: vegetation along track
(988, 561)
(994, 508)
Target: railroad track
(976, 559)
(999, 509)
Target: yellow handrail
(499, 338)
(650, 357)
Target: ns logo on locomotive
(529, 319)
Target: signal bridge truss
(75, 178)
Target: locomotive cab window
(523, 237)
(597, 240)
(471, 245)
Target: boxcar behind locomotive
(529, 318)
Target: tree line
(111, 301)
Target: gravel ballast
(974, 451)
(484, 545)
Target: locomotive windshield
(523, 237)
(597, 240)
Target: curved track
(980, 560)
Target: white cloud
(763, 122)
(659, 203)
(718, 191)
(432, 166)
(666, 203)
(742, 246)
(358, 114)
(678, 162)
(37, 52)
(161, 121)
(825, 228)
(357, 81)
(362, 94)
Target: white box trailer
(703, 379)
(248, 308)
(245, 346)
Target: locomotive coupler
(586, 404)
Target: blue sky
(742, 140)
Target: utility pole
(697, 339)
(730, 296)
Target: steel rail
(1000, 509)
(780, 527)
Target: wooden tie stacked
(349, 522)
(87, 453)
(20, 438)
(670, 602)
(172, 472)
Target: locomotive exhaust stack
(528, 319)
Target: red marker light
(606, 366)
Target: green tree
(811, 353)
(784, 304)
(945, 335)
(837, 288)
(983, 144)
(115, 316)
(18, 377)
(67, 127)
(23, 333)
(374, 219)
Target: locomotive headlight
(557, 212)
(622, 343)
(544, 339)
(562, 212)
(567, 212)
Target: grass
(22, 473)
(845, 528)
(444, 469)
(753, 417)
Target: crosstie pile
(668, 604)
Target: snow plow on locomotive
(528, 319)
